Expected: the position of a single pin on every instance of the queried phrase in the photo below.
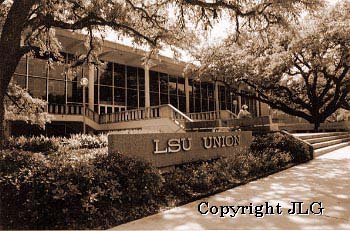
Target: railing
(65, 109)
(92, 115)
(176, 115)
(161, 111)
(130, 115)
(281, 117)
(210, 115)
(213, 115)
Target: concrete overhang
(73, 42)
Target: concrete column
(239, 99)
(147, 95)
(216, 96)
(187, 94)
(91, 75)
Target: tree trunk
(3, 137)
(316, 126)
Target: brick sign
(168, 149)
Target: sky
(217, 34)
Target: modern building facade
(122, 83)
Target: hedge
(90, 189)
(56, 192)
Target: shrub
(53, 144)
(35, 143)
(281, 143)
(93, 190)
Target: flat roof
(73, 42)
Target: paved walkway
(325, 179)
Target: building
(122, 93)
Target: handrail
(213, 115)
(310, 147)
(178, 112)
(232, 115)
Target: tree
(302, 70)
(28, 24)
(20, 105)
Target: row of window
(121, 87)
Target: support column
(239, 99)
(91, 75)
(216, 97)
(187, 94)
(147, 96)
(257, 106)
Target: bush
(53, 144)
(90, 191)
(267, 154)
(278, 142)
(35, 143)
(83, 189)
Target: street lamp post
(234, 102)
(84, 82)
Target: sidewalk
(325, 179)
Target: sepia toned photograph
(174, 115)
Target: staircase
(326, 141)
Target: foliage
(302, 70)
(20, 105)
(268, 153)
(278, 142)
(89, 189)
(50, 144)
(56, 192)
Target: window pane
(211, 89)
(37, 87)
(74, 92)
(19, 80)
(163, 78)
(119, 84)
(106, 95)
(106, 74)
(154, 88)
(21, 67)
(191, 95)
(37, 67)
(57, 71)
(56, 92)
(204, 92)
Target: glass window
(119, 85)
(21, 67)
(37, 67)
(57, 92)
(173, 91)
(154, 87)
(222, 97)
(74, 92)
(181, 94)
(106, 95)
(211, 96)
(106, 74)
(197, 96)
(19, 80)
(164, 90)
(57, 71)
(141, 79)
(37, 87)
(191, 95)
(204, 92)
(132, 87)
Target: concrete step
(305, 136)
(329, 143)
(331, 148)
(327, 138)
